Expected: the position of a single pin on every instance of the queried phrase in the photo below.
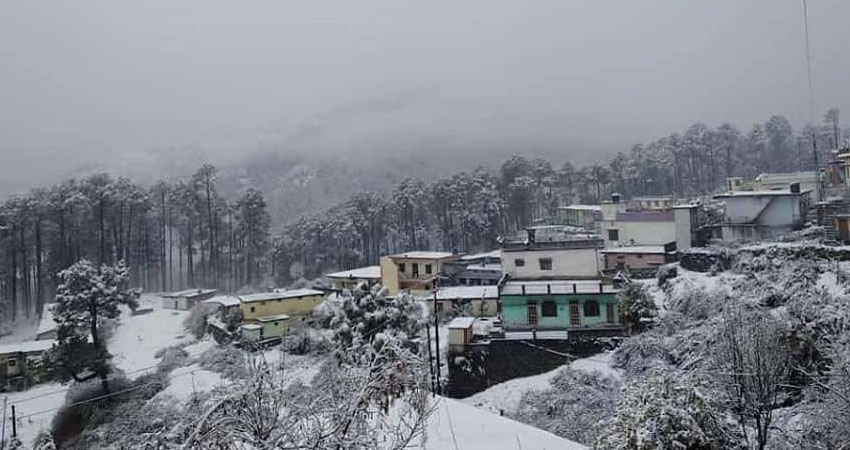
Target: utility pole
(430, 362)
(14, 423)
(437, 343)
(3, 432)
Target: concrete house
(559, 305)
(350, 279)
(762, 215)
(624, 225)
(187, 299)
(551, 252)
(478, 301)
(416, 272)
(479, 269)
(580, 216)
(22, 364)
(640, 261)
(297, 303)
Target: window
(591, 309)
(549, 309)
(12, 363)
(613, 235)
(415, 268)
(275, 324)
(545, 263)
(428, 269)
(519, 262)
(639, 256)
(439, 307)
(401, 267)
(252, 309)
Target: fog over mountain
(152, 88)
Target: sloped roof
(224, 300)
(27, 346)
(189, 293)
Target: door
(532, 315)
(575, 318)
(609, 313)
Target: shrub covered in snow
(574, 407)
(637, 308)
(666, 411)
(196, 322)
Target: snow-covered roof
(542, 287)
(454, 424)
(461, 322)
(251, 326)
(424, 255)
(47, 324)
(190, 293)
(273, 318)
(279, 294)
(582, 207)
(643, 249)
(485, 267)
(761, 194)
(367, 273)
(466, 292)
(26, 347)
(489, 255)
(224, 300)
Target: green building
(558, 305)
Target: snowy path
(455, 425)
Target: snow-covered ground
(455, 425)
(136, 340)
(506, 396)
(35, 409)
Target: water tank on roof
(615, 198)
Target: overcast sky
(105, 82)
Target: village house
(461, 333)
(221, 307)
(187, 299)
(580, 216)
(762, 215)
(478, 301)
(417, 272)
(623, 224)
(559, 305)
(479, 269)
(22, 364)
(551, 252)
(351, 279)
(640, 261)
(275, 312)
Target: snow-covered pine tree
(86, 296)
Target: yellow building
(275, 312)
(413, 271)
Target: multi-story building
(624, 224)
(580, 216)
(417, 272)
(762, 215)
(551, 252)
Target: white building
(621, 226)
(545, 253)
(760, 215)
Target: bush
(637, 308)
(574, 408)
(305, 340)
(666, 411)
(196, 322)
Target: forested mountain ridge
(253, 225)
